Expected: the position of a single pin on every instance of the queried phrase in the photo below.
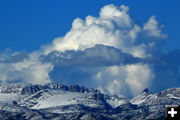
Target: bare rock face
(146, 90)
(30, 89)
(71, 88)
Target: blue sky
(26, 25)
(109, 47)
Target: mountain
(74, 102)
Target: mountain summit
(74, 102)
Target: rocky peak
(30, 89)
(71, 88)
(146, 90)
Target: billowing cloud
(153, 28)
(125, 79)
(114, 27)
(12, 57)
(19, 67)
(130, 44)
(110, 52)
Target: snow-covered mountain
(10, 92)
(61, 102)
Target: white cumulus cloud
(114, 27)
(28, 71)
(125, 80)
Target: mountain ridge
(58, 101)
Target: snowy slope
(115, 101)
(146, 97)
(10, 92)
(51, 98)
(8, 98)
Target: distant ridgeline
(58, 101)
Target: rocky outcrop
(31, 89)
